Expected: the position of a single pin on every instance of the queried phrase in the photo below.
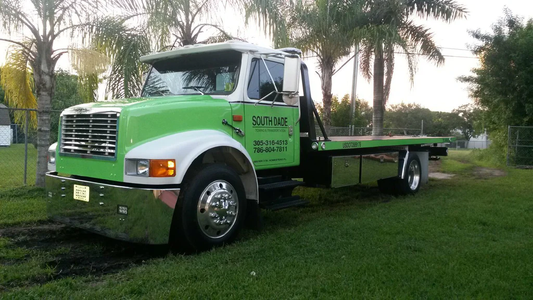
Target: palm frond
(17, 81)
(270, 15)
(86, 61)
(88, 87)
(14, 18)
(124, 46)
(126, 77)
(366, 61)
(421, 39)
(447, 10)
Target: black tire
(412, 180)
(211, 194)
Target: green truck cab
(218, 132)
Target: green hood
(143, 120)
(121, 103)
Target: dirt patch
(434, 166)
(485, 173)
(434, 170)
(439, 175)
(74, 252)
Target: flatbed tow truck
(219, 132)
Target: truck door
(272, 137)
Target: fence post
(26, 147)
(508, 143)
(516, 145)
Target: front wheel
(210, 210)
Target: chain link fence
(464, 144)
(520, 146)
(18, 153)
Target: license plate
(81, 193)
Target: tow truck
(219, 132)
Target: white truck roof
(199, 48)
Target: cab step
(280, 185)
(269, 179)
(283, 203)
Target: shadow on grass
(322, 202)
(54, 251)
(62, 251)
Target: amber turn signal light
(162, 167)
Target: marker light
(162, 168)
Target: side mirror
(291, 80)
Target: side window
(260, 84)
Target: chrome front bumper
(139, 215)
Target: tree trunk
(326, 68)
(377, 118)
(389, 71)
(44, 83)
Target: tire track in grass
(40, 253)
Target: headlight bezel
(51, 157)
(150, 167)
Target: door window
(260, 84)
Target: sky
(434, 87)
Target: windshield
(213, 73)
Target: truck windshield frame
(209, 73)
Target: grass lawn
(12, 170)
(467, 237)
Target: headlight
(151, 167)
(143, 167)
(51, 157)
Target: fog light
(122, 210)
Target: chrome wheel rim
(413, 175)
(217, 209)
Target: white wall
(5, 135)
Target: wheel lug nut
(213, 215)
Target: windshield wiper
(195, 87)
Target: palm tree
(393, 29)
(172, 23)
(31, 64)
(325, 29)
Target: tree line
(503, 84)
(464, 122)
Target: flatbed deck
(356, 142)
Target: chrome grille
(90, 134)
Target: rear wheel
(410, 184)
(210, 210)
(413, 176)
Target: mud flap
(254, 218)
